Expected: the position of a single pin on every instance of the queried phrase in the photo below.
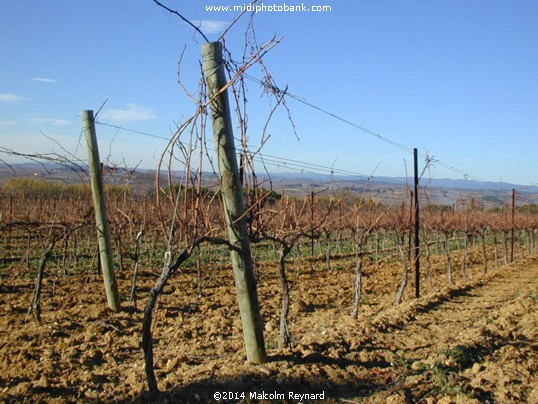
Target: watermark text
(270, 8)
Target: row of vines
(44, 224)
(310, 228)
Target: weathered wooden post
(512, 225)
(312, 221)
(417, 227)
(232, 196)
(101, 219)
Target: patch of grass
(446, 380)
(463, 357)
(402, 363)
(446, 375)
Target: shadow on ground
(272, 388)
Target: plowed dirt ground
(476, 341)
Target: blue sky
(457, 79)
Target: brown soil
(474, 342)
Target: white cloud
(211, 26)
(10, 97)
(131, 113)
(8, 122)
(44, 80)
(60, 122)
(53, 122)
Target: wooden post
(312, 221)
(232, 196)
(513, 225)
(101, 219)
(417, 229)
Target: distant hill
(471, 184)
(388, 190)
(442, 191)
(445, 183)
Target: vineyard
(336, 283)
(198, 280)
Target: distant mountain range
(307, 179)
(444, 183)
